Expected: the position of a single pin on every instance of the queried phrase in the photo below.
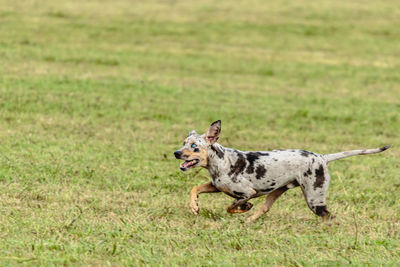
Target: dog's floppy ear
(192, 132)
(212, 134)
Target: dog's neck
(219, 160)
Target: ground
(95, 96)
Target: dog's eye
(194, 145)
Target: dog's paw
(194, 208)
(246, 206)
(240, 209)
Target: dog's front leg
(196, 191)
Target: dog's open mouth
(189, 164)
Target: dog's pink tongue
(185, 164)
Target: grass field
(96, 95)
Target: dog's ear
(192, 132)
(212, 134)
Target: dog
(244, 175)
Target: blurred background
(96, 95)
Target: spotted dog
(245, 175)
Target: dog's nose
(178, 154)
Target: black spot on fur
(238, 167)
(321, 211)
(267, 189)
(215, 174)
(251, 157)
(308, 172)
(260, 171)
(313, 160)
(275, 159)
(218, 151)
(238, 193)
(319, 177)
(295, 183)
(272, 184)
(304, 153)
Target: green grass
(96, 95)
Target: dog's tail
(345, 154)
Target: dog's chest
(226, 185)
(220, 179)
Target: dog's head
(195, 147)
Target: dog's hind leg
(269, 200)
(314, 189)
(196, 191)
